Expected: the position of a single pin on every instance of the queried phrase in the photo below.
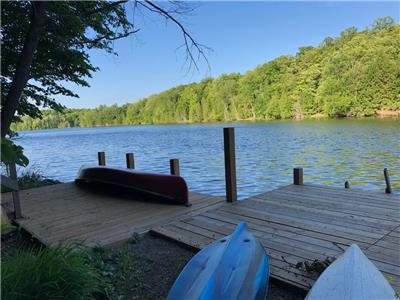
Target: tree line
(355, 74)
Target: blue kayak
(234, 267)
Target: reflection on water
(330, 151)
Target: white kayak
(352, 276)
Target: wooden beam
(15, 193)
(230, 164)
(346, 184)
(174, 167)
(298, 176)
(8, 182)
(102, 158)
(388, 189)
(130, 161)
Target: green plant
(120, 279)
(99, 250)
(61, 272)
(135, 238)
(100, 258)
(33, 179)
(6, 227)
(127, 275)
(11, 153)
(29, 180)
(316, 266)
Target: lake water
(330, 151)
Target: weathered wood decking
(295, 223)
(304, 223)
(67, 212)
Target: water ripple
(330, 151)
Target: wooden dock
(67, 212)
(298, 223)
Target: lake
(330, 151)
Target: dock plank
(65, 212)
(294, 223)
(303, 223)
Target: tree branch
(111, 38)
(108, 6)
(189, 41)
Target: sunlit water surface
(330, 151)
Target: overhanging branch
(106, 7)
(189, 42)
(112, 38)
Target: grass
(71, 272)
(6, 227)
(60, 272)
(5, 223)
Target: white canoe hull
(352, 276)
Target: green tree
(355, 74)
(45, 44)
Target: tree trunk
(253, 104)
(21, 75)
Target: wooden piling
(102, 158)
(130, 161)
(230, 164)
(346, 184)
(174, 167)
(15, 193)
(388, 189)
(298, 176)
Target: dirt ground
(161, 261)
(143, 268)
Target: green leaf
(11, 153)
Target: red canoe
(170, 187)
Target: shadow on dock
(295, 223)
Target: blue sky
(241, 34)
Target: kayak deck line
(352, 276)
(294, 223)
(233, 267)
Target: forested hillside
(355, 74)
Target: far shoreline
(384, 115)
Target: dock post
(15, 193)
(102, 158)
(174, 167)
(298, 176)
(388, 189)
(346, 184)
(130, 161)
(230, 164)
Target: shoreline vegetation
(356, 74)
(31, 179)
(383, 114)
